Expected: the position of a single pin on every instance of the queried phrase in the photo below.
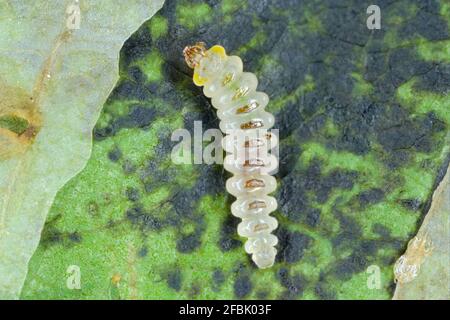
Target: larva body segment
(245, 122)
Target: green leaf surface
(54, 79)
(364, 128)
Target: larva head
(193, 54)
(206, 63)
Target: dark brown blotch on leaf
(20, 120)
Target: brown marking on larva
(253, 143)
(257, 204)
(260, 227)
(248, 107)
(228, 78)
(242, 91)
(254, 163)
(16, 102)
(252, 124)
(255, 183)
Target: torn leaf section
(425, 264)
(20, 121)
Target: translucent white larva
(245, 122)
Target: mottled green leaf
(364, 126)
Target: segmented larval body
(245, 122)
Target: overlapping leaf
(58, 63)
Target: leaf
(54, 80)
(433, 278)
(364, 124)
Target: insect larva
(245, 122)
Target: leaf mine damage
(20, 120)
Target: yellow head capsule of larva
(206, 63)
